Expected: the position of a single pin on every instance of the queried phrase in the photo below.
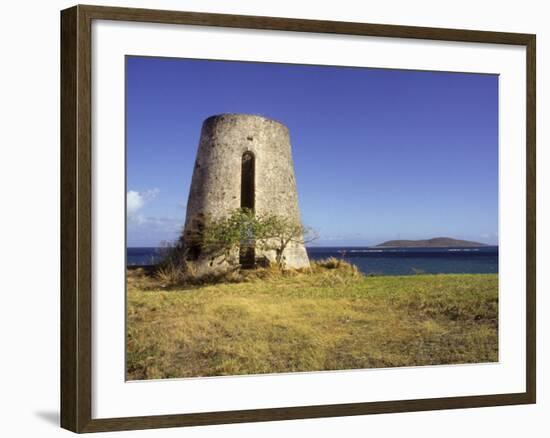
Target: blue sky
(379, 154)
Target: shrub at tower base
(224, 241)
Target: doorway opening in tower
(247, 254)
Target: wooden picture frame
(76, 218)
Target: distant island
(437, 242)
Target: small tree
(223, 236)
(278, 232)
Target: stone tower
(243, 161)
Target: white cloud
(136, 200)
(168, 224)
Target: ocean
(382, 261)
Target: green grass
(328, 319)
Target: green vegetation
(329, 318)
(242, 227)
(220, 240)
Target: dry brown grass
(326, 318)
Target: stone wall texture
(216, 184)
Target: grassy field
(332, 318)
